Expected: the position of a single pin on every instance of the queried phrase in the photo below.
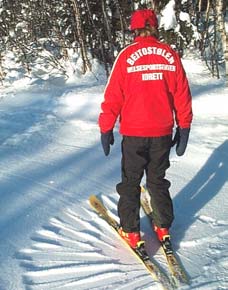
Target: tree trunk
(2, 74)
(99, 36)
(123, 23)
(226, 59)
(80, 34)
(200, 6)
(108, 29)
(222, 30)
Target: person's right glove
(181, 139)
(107, 139)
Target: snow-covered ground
(51, 160)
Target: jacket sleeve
(182, 98)
(113, 98)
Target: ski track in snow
(79, 249)
(76, 250)
(51, 161)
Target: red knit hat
(140, 18)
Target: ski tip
(92, 197)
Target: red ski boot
(162, 233)
(133, 239)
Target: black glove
(107, 139)
(181, 139)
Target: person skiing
(149, 92)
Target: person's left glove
(107, 139)
(181, 139)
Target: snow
(52, 160)
(168, 18)
(184, 17)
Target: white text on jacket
(148, 51)
(152, 76)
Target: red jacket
(147, 88)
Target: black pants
(151, 155)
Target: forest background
(45, 36)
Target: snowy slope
(51, 161)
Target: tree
(80, 36)
(221, 11)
